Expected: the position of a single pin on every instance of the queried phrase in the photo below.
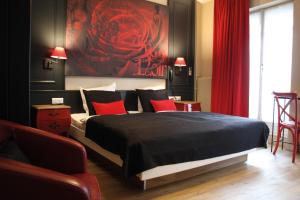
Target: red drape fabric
(230, 78)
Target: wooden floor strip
(262, 177)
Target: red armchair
(57, 170)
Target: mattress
(148, 140)
(78, 134)
(79, 120)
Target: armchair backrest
(48, 150)
(4, 133)
(57, 168)
(22, 181)
(6, 129)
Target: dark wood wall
(15, 62)
(34, 27)
(48, 30)
(4, 60)
(182, 44)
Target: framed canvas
(117, 38)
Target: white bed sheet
(79, 120)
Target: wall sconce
(58, 53)
(170, 73)
(180, 62)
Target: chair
(57, 170)
(287, 120)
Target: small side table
(52, 118)
(188, 106)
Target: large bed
(157, 147)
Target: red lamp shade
(180, 62)
(59, 53)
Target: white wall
(204, 51)
(163, 2)
(254, 3)
(74, 82)
(296, 50)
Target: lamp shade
(180, 62)
(59, 53)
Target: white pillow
(111, 87)
(133, 112)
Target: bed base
(179, 176)
(167, 179)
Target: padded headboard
(73, 98)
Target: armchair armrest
(51, 151)
(23, 181)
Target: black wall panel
(47, 31)
(181, 44)
(34, 27)
(15, 67)
(4, 62)
(71, 98)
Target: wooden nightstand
(188, 106)
(52, 118)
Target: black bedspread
(148, 140)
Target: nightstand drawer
(181, 107)
(196, 107)
(188, 106)
(52, 118)
(50, 114)
(55, 126)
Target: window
(271, 41)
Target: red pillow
(113, 108)
(163, 105)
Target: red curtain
(230, 78)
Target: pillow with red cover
(163, 105)
(112, 108)
(100, 97)
(146, 95)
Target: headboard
(73, 98)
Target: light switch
(177, 98)
(57, 100)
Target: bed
(159, 148)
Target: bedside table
(188, 106)
(52, 118)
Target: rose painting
(116, 38)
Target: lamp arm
(170, 75)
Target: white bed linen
(79, 119)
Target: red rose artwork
(116, 38)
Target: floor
(262, 177)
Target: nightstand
(52, 118)
(188, 106)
